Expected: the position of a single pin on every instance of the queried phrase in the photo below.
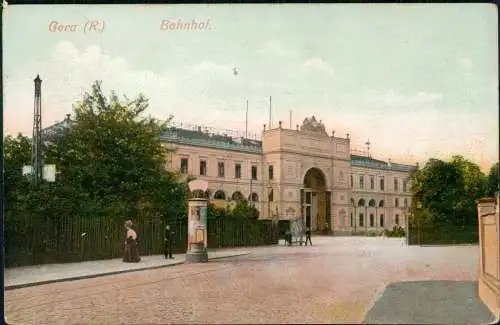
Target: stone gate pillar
(197, 224)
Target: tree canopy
(445, 192)
(17, 153)
(493, 184)
(109, 159)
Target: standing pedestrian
(168, 242)
(308, 236)
(131, 251)
(288, 238)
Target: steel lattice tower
(37, 148)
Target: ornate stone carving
(313, 126)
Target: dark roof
(225, 142)
(215, 141)
(363, 161)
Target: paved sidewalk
(430, 302)
(27, 276)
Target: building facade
(302, 173)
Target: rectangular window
(361, 181)
(220, 169)
(352, 220)
(184, 165)
(271, 172)
(396, 183)
(397, 219)
(372, 221)
(361, 219)
(237, 171)
(254, 172)
(405, 185)
(382, 184)
(372, 183)
(396, 202)
(381, 220)
(352, 181)
(203, 167)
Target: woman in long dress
(131, 252)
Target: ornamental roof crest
(313, 126)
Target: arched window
(199, 194)
(253, 197)
(372, 220)
(237, 196)
(371, 203)
(361, 203)
(381, 204)
(220, 195)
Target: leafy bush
(397, 231)
(244, 210)
(215, 212)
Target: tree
(475, 186)
(445, 192)
(438, 187)
(17, 153)
(110, 157)
(474, 179)
(493, 183)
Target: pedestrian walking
(288, 238)
(168, 242)
(131, 251)
(308, 236)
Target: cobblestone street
(336, 280)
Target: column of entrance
(310, 208)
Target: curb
(91, 276)
(228, 256)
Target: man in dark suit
(168, 242)
(308, 236)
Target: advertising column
(197, 225)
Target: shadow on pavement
(430, 302)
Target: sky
(416, 80)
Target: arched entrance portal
(316, 201)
